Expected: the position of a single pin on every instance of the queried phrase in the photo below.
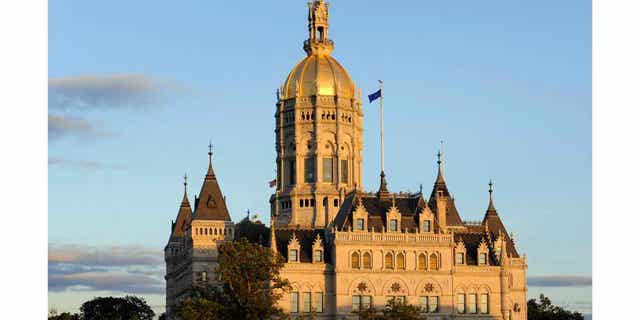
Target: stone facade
(345, 248)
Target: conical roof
(211, 204)
(184, 217)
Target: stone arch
(428, 286)
(362, 286)
(395, 287)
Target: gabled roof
(408, 204)
(306, 238)
(183, 219)
(472, 242)
(210, 204)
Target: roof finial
(210, 150)
(185, 182)
(490, 190)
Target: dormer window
(482, 259)
(393, 225)
(360, 224)
(426, 226)
(317, 256)
(459, 258)
(440, 193)
(293, 255)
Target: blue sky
(137, 89)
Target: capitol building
(346, 248)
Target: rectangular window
(293, 255)
(460, 303)
(292, 171)
(365, 302)
(433, 304)
(309, 170)
(344, 171)
(293, 301)
(306, 302)
(317, 256)
(355, 303)
(459, 258)
(327, 170)
(472, 303)
(394, 225)
(318, 302)
(426, 225)
(360, 224)
(484, 303)
(422, 303)
(483, 259)
(203, 276)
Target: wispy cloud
(128, 269)
(86, 92)
(63, 126)
(559, 281)
(82, 164)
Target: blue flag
(375, 95)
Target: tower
(318, 133)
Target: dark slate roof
(210, 204)
(255, 232)
(471, 242)
(452, 215)
(409, 205)
(183, 219)
(306, 238)
(493, 222)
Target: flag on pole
(272, 183)
(375, 95)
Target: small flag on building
(375, 95)
(272, 183)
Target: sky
(138, 88)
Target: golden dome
(318, 74)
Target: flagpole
(381, 129)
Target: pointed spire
(491, 208)
(210, 170)
(382, 191)
(440, 178)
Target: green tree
(63, 316)
(393, 310)
(545, 310)
(115, 308)
(249, 285)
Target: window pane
(327, 170)
(388, 261)
(309, 170)
(422, 261)
(400, 261)
(422, 303)
(318, 303)
(426, 225)
(461, 303)
(394, 225)
(472, 303)
(360, 224)
(317, 256)
(483, 259)
(293, 255)
(293, 301)
(306, 302)
(366, 260)
(366, 302)
(355, 303)
(355, 260)
(433, 262)
(484, 303)
(344, 171)
(433, 304)
(292, 171)
(459, 258)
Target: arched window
(400, 261)
(388, 261)
(422, 262)
(205, 231)
(433, 262)
(210, 231)
(216, 230)
(355, 260)
(366, 260)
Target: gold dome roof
(319, 74)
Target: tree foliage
(547, 311)
(249, 285)
(63, 316)
(393, 310)
(116, 308)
